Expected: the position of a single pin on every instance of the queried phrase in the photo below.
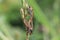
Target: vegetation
(46, 20)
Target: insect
(27, 16)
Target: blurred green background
(46, 20)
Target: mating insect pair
(27, 15)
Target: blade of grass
(39, 15)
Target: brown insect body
(29, 23)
